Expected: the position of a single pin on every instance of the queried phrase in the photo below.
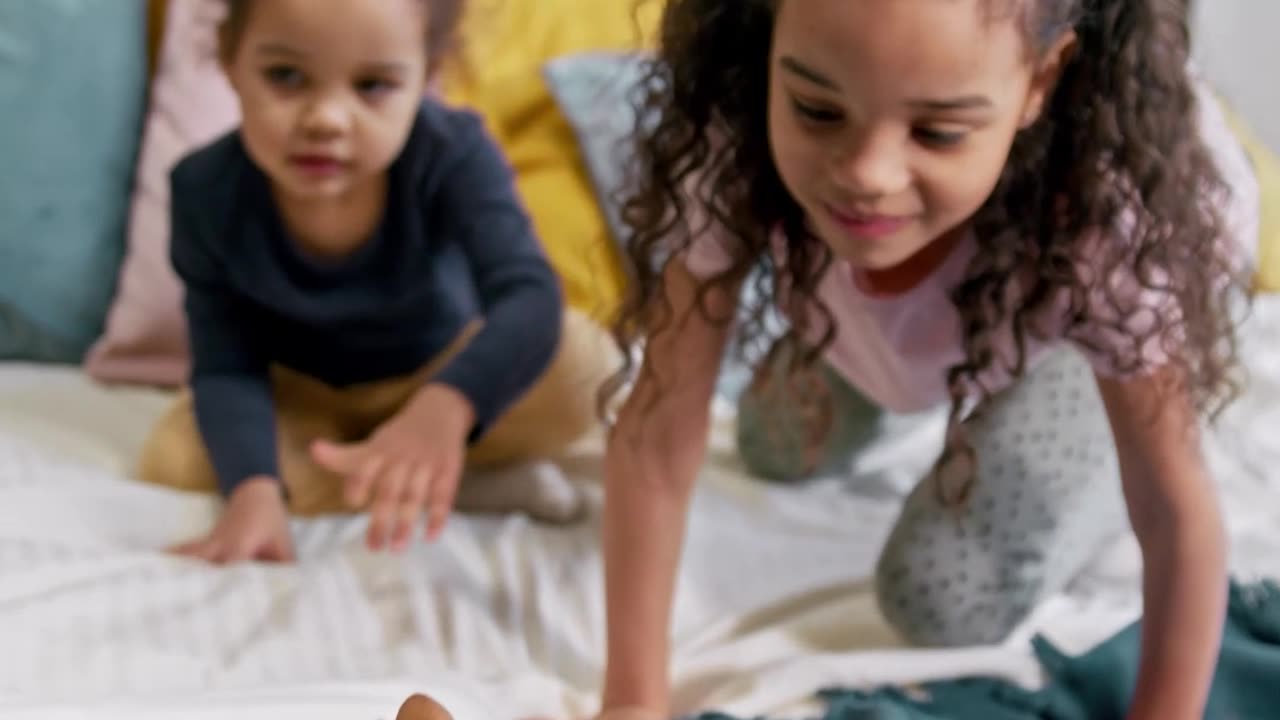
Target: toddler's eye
(283, 76)
(375, 86)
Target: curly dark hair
(443, 19)
(1118, 140)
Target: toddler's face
(890, 121)
(328, 89)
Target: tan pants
(559, 409)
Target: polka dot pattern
(1046, 497)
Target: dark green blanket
(1098, 684)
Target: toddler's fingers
(440, 496)
(415, 495)
(215, 552)
(238, 552)
(338, 459)
(360, 484)
(279, 551)
(388, 489)
(202, 549)
(186, 548)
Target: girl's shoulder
(1240, 208)
(1128, 311)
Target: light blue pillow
(73, 77)
(598, 93)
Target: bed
(501, 618)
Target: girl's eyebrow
(799, 69)
(967, 102)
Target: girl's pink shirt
(898, 349)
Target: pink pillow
(145, 339)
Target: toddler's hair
(443, 19)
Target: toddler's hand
(254, 526)
(414, 460)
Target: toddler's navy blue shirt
(454, 245)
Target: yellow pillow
(1267, 168)
(505, 44)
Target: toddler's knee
(174, 454)
(561, 406)
(585, 360)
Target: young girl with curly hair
(1029, 211)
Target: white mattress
(502, 618)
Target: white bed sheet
(503, 617)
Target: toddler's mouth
(317, 165)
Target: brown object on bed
(421, 707)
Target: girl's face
(890, 120)
(328, 89)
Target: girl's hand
(413, 461)
(254, 526)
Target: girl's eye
(816, 114)
(283, 76)
(374, 86)
(938, 138)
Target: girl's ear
(1045, 80)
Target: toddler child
(369, 309)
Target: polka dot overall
(1045, 499)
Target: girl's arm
(653, 458)
(1175, 514)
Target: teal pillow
(73, 77)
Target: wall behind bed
(1237, 42)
